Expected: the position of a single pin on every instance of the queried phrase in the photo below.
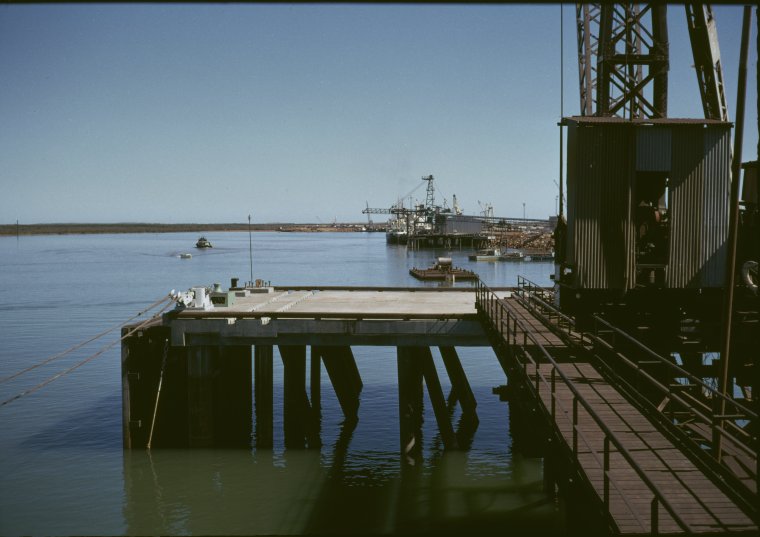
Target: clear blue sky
(206, 113)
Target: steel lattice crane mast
(430, 195)
(623, 59)
(704, 45)
(622, 53)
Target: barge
(443, 270)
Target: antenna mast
(250, 247)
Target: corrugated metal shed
(604, 156)
(600, 229)
(699, 191)
(653, 148)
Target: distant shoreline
(83, 229)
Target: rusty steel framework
(623, 60)
(622, 53)
(587, 19)
(704, 45)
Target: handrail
(683, 372)
(531, 297)
(708, 415)
(487, 300)
(668, 390)
(574, 425)
(747, 412)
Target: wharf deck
(682, 487)
(337, 316)
(348, 302)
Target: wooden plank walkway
(698, 502)
(542, 334)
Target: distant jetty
(74, 229)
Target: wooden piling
(141, 360)
(315, 380)
(264, 389)
(435, 392)
(233, 398)
(459, 383)
(201, 367)
(409, 401)
(352, 369)
(344, 376)
(298, 421)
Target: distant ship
(396, 236)
(203, 242)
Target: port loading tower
(646, 244)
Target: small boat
(513, 256)
(488, 254)
(203, 242)
(443, 270)
(185, 256)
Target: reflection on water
(295, 492)
(357, 482)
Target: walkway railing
(538, 300)
(503, 320)
(607, 339)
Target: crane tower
(623, 60)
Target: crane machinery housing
(646, 239)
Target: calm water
(62, 467)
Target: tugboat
(203, 242)
(442, 270)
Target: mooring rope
(89, 358)
(158, 392)
(80, 345)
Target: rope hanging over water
(169, 299)
(80, 345)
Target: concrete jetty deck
(430, 316)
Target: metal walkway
(644, 482)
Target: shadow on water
(258, 492)
(90, 428)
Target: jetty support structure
(197, 377)
(629, 438)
